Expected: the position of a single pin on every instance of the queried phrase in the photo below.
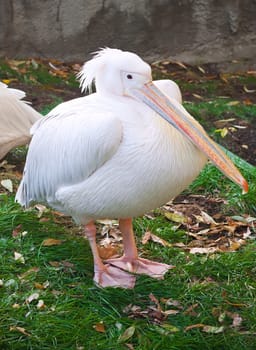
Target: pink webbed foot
(111, 276)
(106, 275)
(141, 266)
(130, 261)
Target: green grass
(220, 109)
(46, 109)
(35, 72)
(73, 305)
(210, 87)
(248, 80)
(212, 181)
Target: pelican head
(124, 73)
(115, 72)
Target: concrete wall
(189, 30)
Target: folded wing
(66, 149)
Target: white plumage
(108, 155)
(16, 119)
(104, 153)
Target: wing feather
(67, 148)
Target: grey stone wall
(189, 30)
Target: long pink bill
(175, 114)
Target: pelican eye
(129, 76)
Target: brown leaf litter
(156, 312)
(209, 232)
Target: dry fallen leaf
(168, 328)
(154, 313)
(51, 241)
(150, 236)
(146, 237)
(108, 252)
(223, 78)
(191, 310)
(181, 64)
(33, 296)
(56, 292)
(223, 122)
(175, 217)
(68, 264)
(107, 222)
(212, 233)
(237, 320)
(199, 97)
(40, 305)
(171, 312)
(100, 327)
(7, 184)
(38, 285)
(41, 286)
(251, 72)
(235, 126)
(213, 329)
(247, 102)
(55, 263)
(19, 258)
(201, 69)
(171, 302)
(203, 250)
(41, 209)
(19, 329)
(233, 103)
(205, 218)
(15, 63)
(194, 326)
(29, 272)
(250, 91)
(222, 315)
(17, 231)
(235, 245)
(154, 299)
(127, 334)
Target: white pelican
(117, 153)
(16, 119)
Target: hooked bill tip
(245, 186)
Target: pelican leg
(130, 261)
(106, 275)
